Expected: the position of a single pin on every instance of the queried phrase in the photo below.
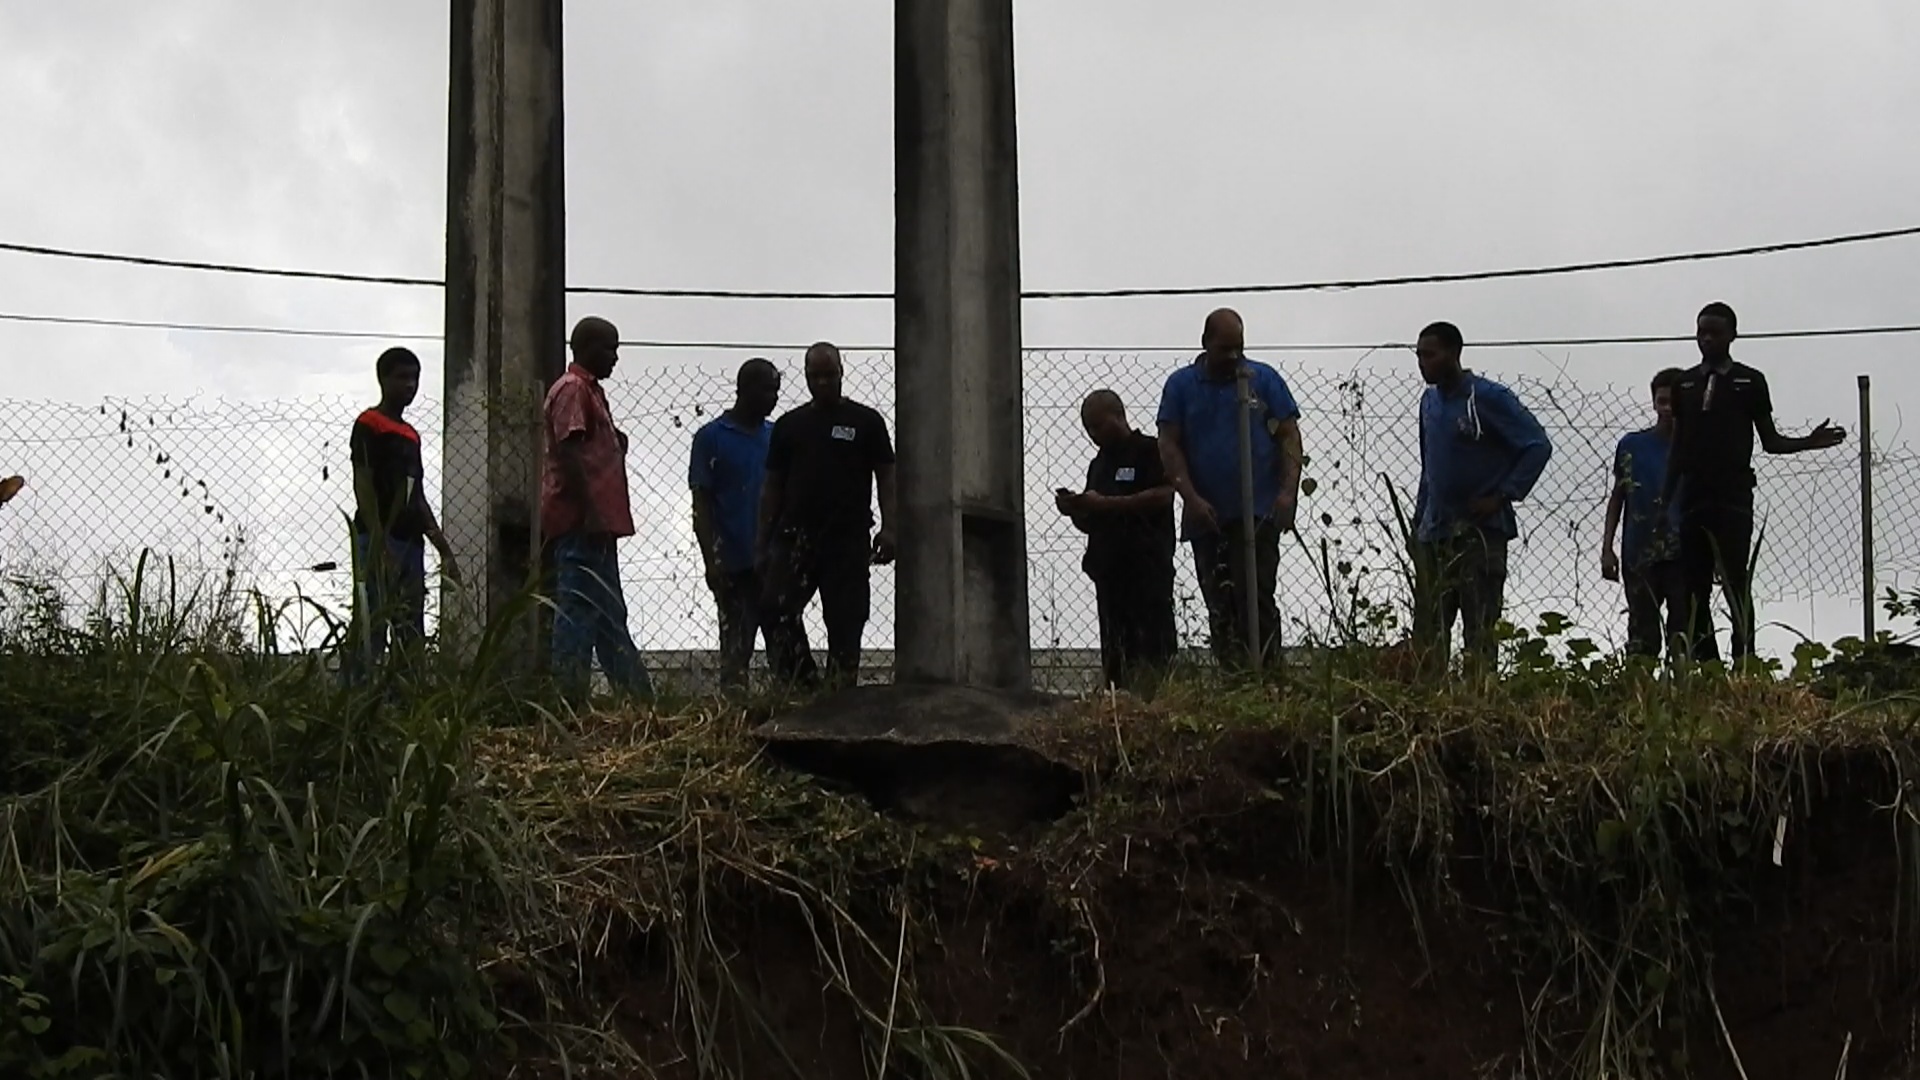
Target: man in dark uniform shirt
(824, 461)
(1127, 513)
(1718, 406)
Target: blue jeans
(389, 600)
(591, 617)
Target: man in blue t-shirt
(1481, 451)
(728, 468)
(1648, 562)
(1200, 449)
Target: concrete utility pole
(961, 606)
(506, 289)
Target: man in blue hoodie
(1481, 451)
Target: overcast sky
(734, 144)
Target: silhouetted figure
(1200, 447)
(1648, 562)
(1717, 407)
(584, 512)
(1481, 451)
(824, 463)
(727, 468)
(1126, 510)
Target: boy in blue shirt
(1647, 564)
(727, 471)
(1199, 438)
(1481, 451)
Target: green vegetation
(219, 863)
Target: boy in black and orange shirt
(390, 578)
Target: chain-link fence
(252, 498)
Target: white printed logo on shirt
(843, 432)
(1123, 476)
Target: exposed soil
(1210, 948)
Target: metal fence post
(1249, 553)
(1866, 507)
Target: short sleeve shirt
(1716, 413)
(389, 450)
(1133, 543)
(826, 457)
(1207, 410)
(1647, 533)
(729, 463)
(576, 408)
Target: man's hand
(1609, 565)
(1826, 436)
(1200, 513)
(716, 578)
(883, 546)
(1482, 507)
(621, 436)
(1065, 501)
(1286, 510)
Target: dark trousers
(1220, 561)
(1716, 536)
(390, 601)
(738, 596)
(1137, 638)
(590, 617)
(1462, 577)
(835, 566)
(1656, 607)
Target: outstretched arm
(1820, 438)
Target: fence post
(1249, 551)
(1866, 507)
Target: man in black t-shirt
(1718, 407)
(1127, 513)
(824, 461)
(390, 577)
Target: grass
(217, 862)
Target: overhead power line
(775, 347)
(213, 328)
(1333, 285)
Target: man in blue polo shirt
(1200, 449)
(1481, 451)
(729, 464)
